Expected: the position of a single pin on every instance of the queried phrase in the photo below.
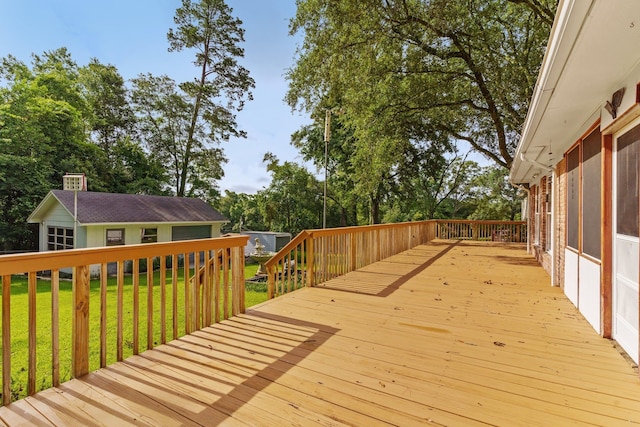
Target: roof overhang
(123, 224)
(592, 52)
(37, 216)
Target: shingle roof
(97, 208)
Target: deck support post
(311, 256)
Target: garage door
(189, 232)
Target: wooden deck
(449, 333)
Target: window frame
(113, 242)
(63, 233)
(149, 237)
(583, 209)
(548, 213)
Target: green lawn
(19, 323)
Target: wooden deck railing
(197, 283)
(315, 256)
(497, 231)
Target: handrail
(315, 256)
(302, 236)
(487, 230)
(179, 290)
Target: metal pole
(75, 218)
(327, 137)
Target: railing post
(80, 322)
(237, 279)
(310, 264)
(6, 339)
(32, 293)
(271, 282)
(354, 252)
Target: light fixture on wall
(616, 100)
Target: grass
(254, 294)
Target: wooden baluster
(6, 339)
(271, 279)
(136, 305)
(174, 296)
(206, 290)
(237, 281)
(216, 285)
(55, 328)
(32, 292)
(310, 262)
(353, 240)
(149, 303)
(103, 315)
(187, 294)
(120, 315)
(225, 284)
(80, 322)
(163, 299)
(195, 293)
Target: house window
(59, 238)
(115, 236)
(627, 183)
(548, 200)
(584, 175)
(591, 185)
(149, 235)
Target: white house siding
(59, 217)
(97, 234)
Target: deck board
(449, 333)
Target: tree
(494, 196)
(22, 185)
(343, 201)
(293, 200)
(111, 119)
(405, 70)
(243, 211)
(220, 89)
(164, 124)
(42, 136)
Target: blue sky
(131, 35)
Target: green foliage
(404, 71)
(495, 198)
(209, 102)
(293, 200)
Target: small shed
(110, 219)
(272, 241)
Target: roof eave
(569, 20)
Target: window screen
(591, 184)
(627, 183)
(573, 193)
